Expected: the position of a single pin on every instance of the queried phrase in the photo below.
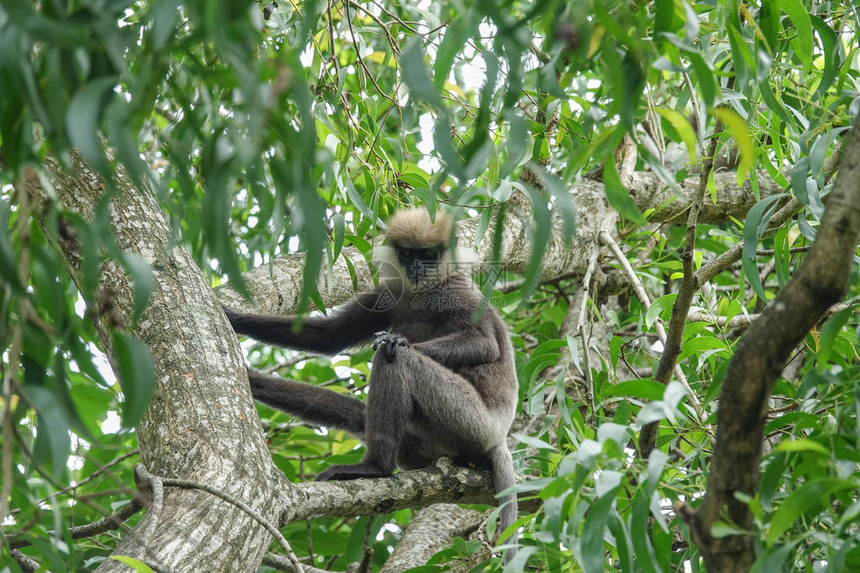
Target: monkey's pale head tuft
(412, 228)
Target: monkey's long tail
(504, 478)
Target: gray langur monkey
(442, 382)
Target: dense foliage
(299, 127)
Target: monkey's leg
(311, 404)
(449, 403)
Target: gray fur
(442, 383)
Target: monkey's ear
(390, 269)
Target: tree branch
(684, 298)
(430, 531)
(108, 523)
(759, 359)
(442, 482)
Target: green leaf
(656, 463)
(563, 200)
(450, 48)
(82, 119)
(642, 547)
(774, 561)
(143, 280)
(534, 442)
(518, 563)
(808, 497)
(138, 566)
(339, 224)
(754, 226)
(52, 429)
(618, 196)
(517, 143)
(591, 543)
(415, 74)
(802, 445)
(801, 31)
(545, 354)
(444, 145)
(742, 59)
(722, 529)
(829, 332)
(738, 128)
(624, 546)
(165, 14)
(8, 259)
(540, 237)
(645, 389)
(684, 129)
(60, 386)
(701, 344)
(705, 75)
(355, 199)
(775, 105)
(136, 374)
(658, 306)
(833, 54)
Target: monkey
(442, 383)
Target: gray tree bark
(201, 424)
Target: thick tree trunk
(201, 424)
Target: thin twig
(281, 563)
(722, 321)
(94, 475)
(23, 230)
(580, 318)
(694, 101)
(791, 251)
(744, 320)
(642, 295)
(394, 17)
(380, 23)
(360, 59)
(108, 523)
(684, 298)
(156, 487)
(27, 564)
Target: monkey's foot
(353, 471)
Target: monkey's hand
(388, 343)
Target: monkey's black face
(419, 263)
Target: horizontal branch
(441, 483)
(277, 286)
(671, 204)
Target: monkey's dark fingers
(379, 339)
(390, 343)
(390, 349)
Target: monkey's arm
(352, 324)
(468, 347)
